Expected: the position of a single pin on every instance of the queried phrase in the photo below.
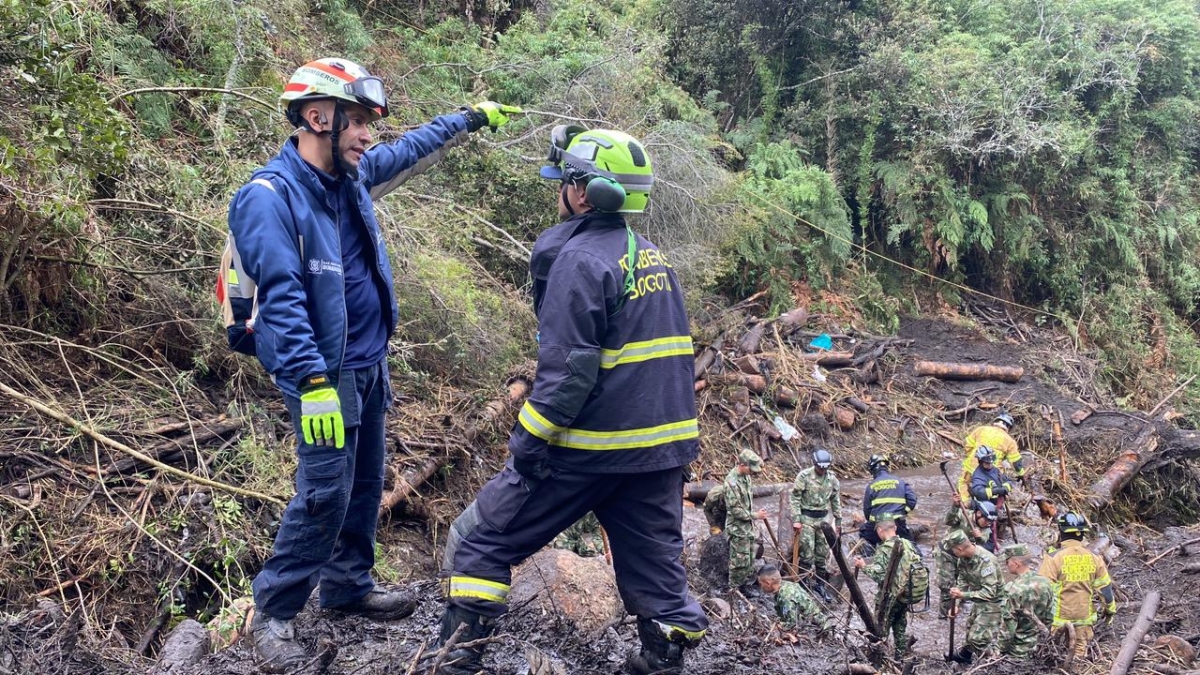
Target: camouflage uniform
(714, 509)
(583, 537)
(739, 520)
(889, 603)
(814, 498)
(794, 605)
(1029, 595)
(981, 583)
(947, 564)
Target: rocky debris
(583, 591)
(187, 644)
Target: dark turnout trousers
(327, 533)
(512, 518)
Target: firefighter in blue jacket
(611, 422)
(303, 235)
(886, 495)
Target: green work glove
(496, 113)
(321, 413)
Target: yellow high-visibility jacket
(1000, 442)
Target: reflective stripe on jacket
(887, 494)
(613, 391)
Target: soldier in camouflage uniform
(890, 604)
(714, 509)
(739, 520)
(792, 604)
(816, 496)
(984, 513)
(582, 538)
(980, 582)
(1027, 596)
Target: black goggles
(369, 92)
(561, 137)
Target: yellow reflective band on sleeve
(539, 426)
(636, 352)
(580, 439)
(232, 277)
(1101, 582)
(480, 589)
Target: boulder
(185, 646)
(714, 561)
(583, 591)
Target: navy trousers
(327, 533)
(512, 518)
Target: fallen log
(752, 339)
(697, 492)
(203, 433)
(860, 602)
(826, 359)
(1180, 548)
(1130, 461)
(1133, 639)
(708, 356)
(968, 371)
(408, 480)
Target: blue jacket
(985, 484)
(888, 494)
(284, 231)
(613, 391)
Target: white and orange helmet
(337, 79)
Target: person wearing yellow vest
(996, 437)
(1078, 575)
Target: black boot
(661, 652)
(467, 661)
(382, 604)
(822, 587)
(275, 646)
(964, 656)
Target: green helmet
(580, 156)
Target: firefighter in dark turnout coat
(611, 422)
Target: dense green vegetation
(1042, 151)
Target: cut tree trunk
(408, 480)
(1129, 647)
(969, 371)
(698, 492)
(708, 356)
(1124, 468)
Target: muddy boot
(275, 646)
(821, 584)
(661, 652)
(468, 661)
(381, 605)
(964, 656)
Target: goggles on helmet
(369, 92)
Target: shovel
(950, 651)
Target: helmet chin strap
(340, 123)
(562, 193)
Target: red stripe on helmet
(340, 74)
(295, 86)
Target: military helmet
(1072, 523)
(578, 155)
(822, 458)
(877, 462)
(986, 509)
(985, 454)
(333, 79)
(1005, 419)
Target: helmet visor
(369, 92)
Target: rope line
(908, 267)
